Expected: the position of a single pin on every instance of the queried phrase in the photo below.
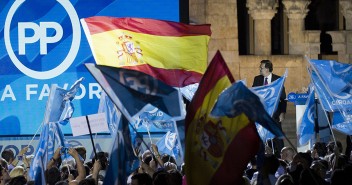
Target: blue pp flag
(270, 95)
(239, 99)
(112, 114)
(342, 121)
(51, 134)
(59, 109)
(132, 90)
(168, 144)
(306, 128)
(123, 160)
(59, 106)
(337, 76)
(189, 90)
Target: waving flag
(332, 81)
(270, 95)
(132, 90)
(112, 114)
(306, 128)
(172, 52)
(213, 145)
(335, 75)
(168, 144)
(58, 110)
(123, 160)
(238, 99)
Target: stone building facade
(300, 43)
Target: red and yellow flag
(172, 52)
(217, 149)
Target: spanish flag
(172, 52)
(217, 149)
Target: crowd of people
(324, 164)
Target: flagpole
(91, 138)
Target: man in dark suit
(266, 77)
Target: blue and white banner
(306, 128)
(41, 43)
(168, 144)
(270, 96)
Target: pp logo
(40, 35)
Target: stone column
(296, 11)
(262, 11)
(346, 10)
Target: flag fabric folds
(306, 128)
(217, 150)
(238, 99)
(168, 144)
(132, 90)
(59, 109)
(270, 95)
(112, 114)
(332, 81)
(172, 52)
(123, 160)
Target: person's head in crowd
(319, 150)
(52, 175)
(174, 177)
(4, 175)
(64, 173)
(319, 168)
(8, 155)
(160, 178)
(89, 164)
(168, 158)
(87, 181)
(141, 179)
(18, 180)
(284, 179)
(17, 171)
(266, 67)
(31, 182)
(270, 164)
(331, 145)
(103, 158)
(81, 150)
(170, 166)
(287, 153)
(302, 158)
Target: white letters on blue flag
(306, 128)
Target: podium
(322, 130)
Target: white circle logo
(76, 39)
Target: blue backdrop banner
(42, 43)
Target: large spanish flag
(217, 149)
(172, 52)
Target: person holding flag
(267, 77)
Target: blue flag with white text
(270, 95)
(306, 128)
(239, 99)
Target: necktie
(266, 81)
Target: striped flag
(213, 145)
(172, 52)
